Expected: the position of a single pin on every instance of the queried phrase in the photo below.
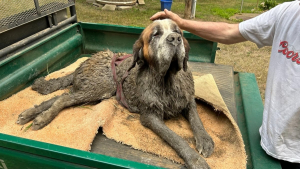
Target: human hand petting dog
(168, 14)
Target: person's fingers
(172, 16)
(158, 15)
(167, 12)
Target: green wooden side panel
(99, 37)
(52, 53)
(241, 119)
(11, 159)
(253, 113)
(26, 150)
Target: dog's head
(162, 47)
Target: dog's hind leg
(64, 101)
(190, 156)
(31, 113)
(45, 87)
(204, 142)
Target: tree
(188, 9)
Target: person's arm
(214, 31)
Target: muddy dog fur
(159, 86)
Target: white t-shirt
(280, 28)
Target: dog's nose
(174, 38)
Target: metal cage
(24, 21)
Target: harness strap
(119, 93)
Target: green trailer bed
(56, 49)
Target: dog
(159, 86)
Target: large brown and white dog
(159, 86)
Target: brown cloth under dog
(68, 127)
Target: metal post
(49, 18)
(54, 19)
(242, 6)
(193, 9)
(73, 12)
(37, 7)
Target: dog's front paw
(197, 163)
(39, 122)
(205, 145)
(43, 119)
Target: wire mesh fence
(11, 8)
(16, 12)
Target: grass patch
(28, 127)
(224, 13)
(206, 10)
(86, 107)
(137, 16)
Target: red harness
(119, 93)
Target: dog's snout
(174, 38)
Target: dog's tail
(45, 87)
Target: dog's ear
(138, 56)
(187, 50)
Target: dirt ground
(246, 57)
(244, 16)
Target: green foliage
(268, 4)
(224, 13)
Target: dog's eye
(177, 31)
(155, 34)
